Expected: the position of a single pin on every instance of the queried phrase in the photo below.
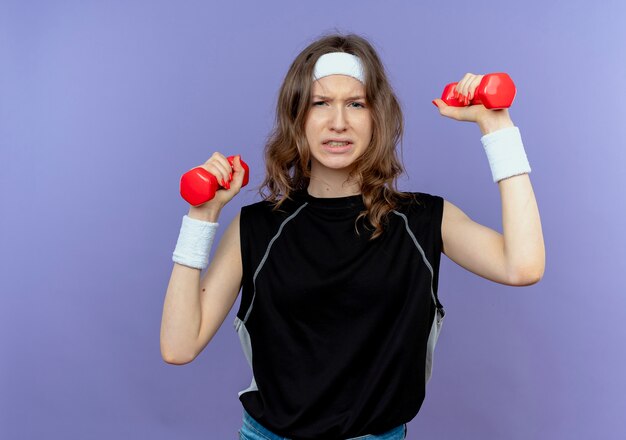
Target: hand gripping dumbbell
(198, 186)
(496, 90)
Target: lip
(325, 141)
(338, 150)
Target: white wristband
(505, 152)
(194, 243)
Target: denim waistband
(397, 433)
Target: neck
(332, 183)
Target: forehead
(338, 85)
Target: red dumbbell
(198, 186)
(496, 90)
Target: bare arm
(194, 309)
(515, 258)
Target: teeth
(337, 144)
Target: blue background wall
(103, 105)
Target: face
(339, 124)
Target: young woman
(338, 270)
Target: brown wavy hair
(287, 153)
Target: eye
(358, 104)
(318, 102)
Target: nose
(338, 120)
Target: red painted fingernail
(435, 104)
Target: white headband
(339, 63)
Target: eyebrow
(330, 99)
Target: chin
(335, 164)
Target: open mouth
(337, 147)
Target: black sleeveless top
(339, 331)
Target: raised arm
(194, 308)
(517, 256)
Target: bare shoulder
(473, 246)
(452, 221)
(451, 212)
